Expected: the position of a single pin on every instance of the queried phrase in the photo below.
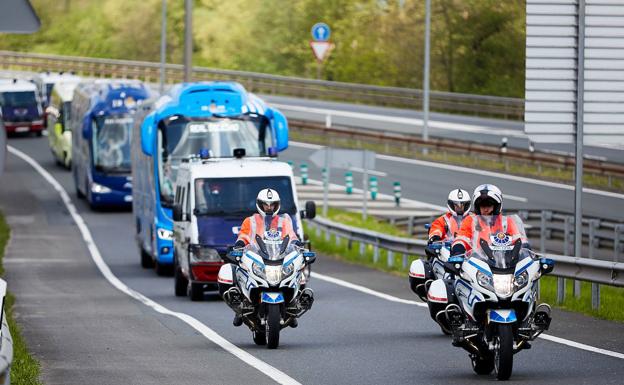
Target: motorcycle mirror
(547, 265)
(453, 265)
(309, 257)
(427, 226)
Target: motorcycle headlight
(99, 189)
(204, 254)
(273, 274)
(258, 270)
(165, 235)
(503, 284)
(521, 280)
(485, 281)
(288, 269)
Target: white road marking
(392, 298)
(402, 120)
(207, 332)
(478, 172)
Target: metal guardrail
(583, 269)
(481, 105)
(6, 342)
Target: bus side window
(188, 201)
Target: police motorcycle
(263, 285)
(423, 273)
(493, 310)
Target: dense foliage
(477, 45)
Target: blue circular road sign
(321, 32)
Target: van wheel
(195, 291)
(146, 259)
(180, 282)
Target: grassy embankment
(612, 298)
(512, 167)
(25, 369)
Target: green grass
(25, 369)
(612, 298)
(491, 163)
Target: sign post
(320, 44)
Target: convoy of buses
(125, 146)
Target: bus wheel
(146, 259)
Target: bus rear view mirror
(148, 135)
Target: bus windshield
(180, 137)
(18, 99)
(111, 143)
(237, 196)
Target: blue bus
(215, 116)
(102, 116)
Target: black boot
(294, 323)
(238, 320)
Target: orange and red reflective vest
(469, 235)
(254, 225)
(446, 226)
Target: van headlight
(100, 189)
(204, 254)
(503, 284)
(485, 281)
(164, 234)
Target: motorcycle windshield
(272, 247)
(498, 239)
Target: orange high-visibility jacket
(445, 226)
(255, 225)
(468, 235)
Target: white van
(212, 198)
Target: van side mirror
(177, 213)
(310, 210)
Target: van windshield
(237, 196)
(180, 136)
(18, 98)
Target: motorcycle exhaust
(542, 317)
(454, 315)
(306, 299)
(234, 299)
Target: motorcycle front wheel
(503, 355)
(273, 325)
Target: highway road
(430, 182)
(449, 126)
(91, 314)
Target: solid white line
(207, 332)
(392, 298)
(478, 172)
(402, 120)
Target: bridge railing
(480, 105)
(580, 269)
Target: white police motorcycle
(423, 273)
(492, 305)
(263, 285)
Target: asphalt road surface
(84, 330)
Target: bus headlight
(165, 235)
(99, 189)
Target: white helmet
(269, 197)
(459, 197)
(487, 192)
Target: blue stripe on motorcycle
(498, 317)
(524, 268)
(291, 260)
(480, 268)
(272, 297)
(254, 259)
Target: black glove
(435, 238)
(239, 244)
(458, 249)
(298, 243)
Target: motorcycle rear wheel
(503, 355)
(273, 325)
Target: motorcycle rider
(266, 219)
(487, 204)
(447, 225)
